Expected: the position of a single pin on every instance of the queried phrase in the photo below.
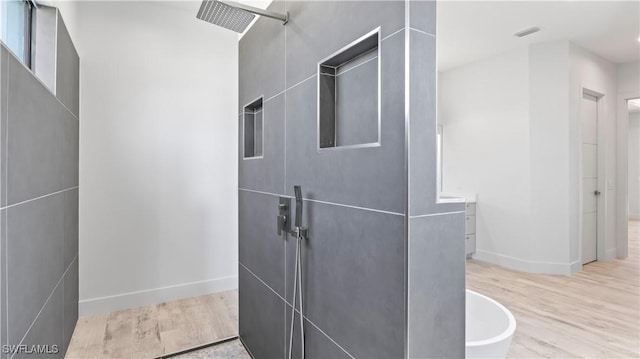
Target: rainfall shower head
(234, 16)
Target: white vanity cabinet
(470, 228)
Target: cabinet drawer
(470, 209)
(470, 243)
(470, 225)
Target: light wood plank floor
(153, 331)
(594, 313)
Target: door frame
(601, 245)
(622, 171)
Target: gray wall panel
(261, 250)
(70, 296)
(261, 318)
(423, 15)
(39, 160)
(436, 260)
(42, 146)
(4, 76)
(317, 344)
(353, 266)
(371, 177)
(354, 263)
(317, 29)
(46, 330)
(70, 226)
(266, 174)
(3, 274)
(67, 70)
(262, 59)
(35, 232)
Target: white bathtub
(489, 327)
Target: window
(15, 27)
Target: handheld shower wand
(300, 233)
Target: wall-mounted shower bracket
(254, 10)
(300, 232)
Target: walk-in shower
(234, 16)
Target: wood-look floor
(153, 331)
(591, 314)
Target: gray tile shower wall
(39, 214)
(366, 256)
(435, 268)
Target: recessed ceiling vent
(528, 31)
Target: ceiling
(469, 31)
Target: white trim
(611, 254)
(527, 265)
(153, 296)
(622, 168)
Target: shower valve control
(283, 215)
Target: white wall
(628, 77)
(549, 160)
(634, 165)
(158, 154)
(484, 112)
(512, 135)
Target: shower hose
(297, 278)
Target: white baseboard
(154, 296)
(611, 254)
(527, 265)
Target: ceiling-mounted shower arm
(254, 10)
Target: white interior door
(589, 178)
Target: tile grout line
(297, 310)
(392, 34)
(47, 301)
(310, 77)
(40, 197)
(435, 214)
(421, 31)
(322, 331)
(261, 281)
(325, 202)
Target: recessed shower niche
(253, 124)
(349, 95)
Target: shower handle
(298, 192)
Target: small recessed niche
(253, 125)
(349, 95)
